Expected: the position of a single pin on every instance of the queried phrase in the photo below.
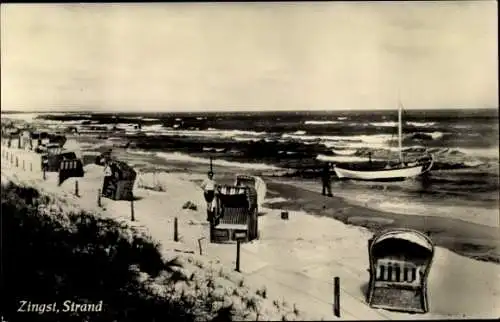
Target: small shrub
(262, 292)
(190, 205)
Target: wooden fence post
(99, 197)
(132, 217)
(176, 231)
(336, 296)
(199, 245)
(237, 255)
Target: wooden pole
(176, 230)
(237, 255)
(76, 188)
(400, 130)
(199, 245)
(99, 197)
(132, 217)
(336, 296)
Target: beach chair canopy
(124, 171)
(233, 197)
(254, 182)
(245, 180)
(400, 243)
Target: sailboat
(397, 172)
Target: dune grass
(52, 254)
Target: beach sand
(471, 232)
(296, 259)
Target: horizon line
(236, 111)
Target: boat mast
(400, 130)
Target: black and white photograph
(249, 161)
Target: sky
(173, 57)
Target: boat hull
(396, 174)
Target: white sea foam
(177, 156)
(435, 135)
(235, 134)
(245, 139)
(343, 152)
(378, 141)
(384, 124)
(320, 122)
(28, 117)
(489, 153)
(421, 124)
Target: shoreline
(475, 241)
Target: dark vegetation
(56, 257)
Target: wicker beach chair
(69, 169)
(120, 184)
(235, 213)
(400, 261)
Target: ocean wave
(487, 153)
(436, 135)
(313, 122)
(425, 135)
(27, 117)
(353, 142)
(177, 156)
(344, 152)
(159, 130)
(239, 139)
(421, 124)
(384, 124)
(473, 164)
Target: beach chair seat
(397, 272)
(400, 260)
(234, 213)
(70, 168)
(234, 216)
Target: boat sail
(399, 172)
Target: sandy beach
(296, 260)
(471, 231)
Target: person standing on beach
(208, 187)
(325, 177)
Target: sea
(464, 143)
